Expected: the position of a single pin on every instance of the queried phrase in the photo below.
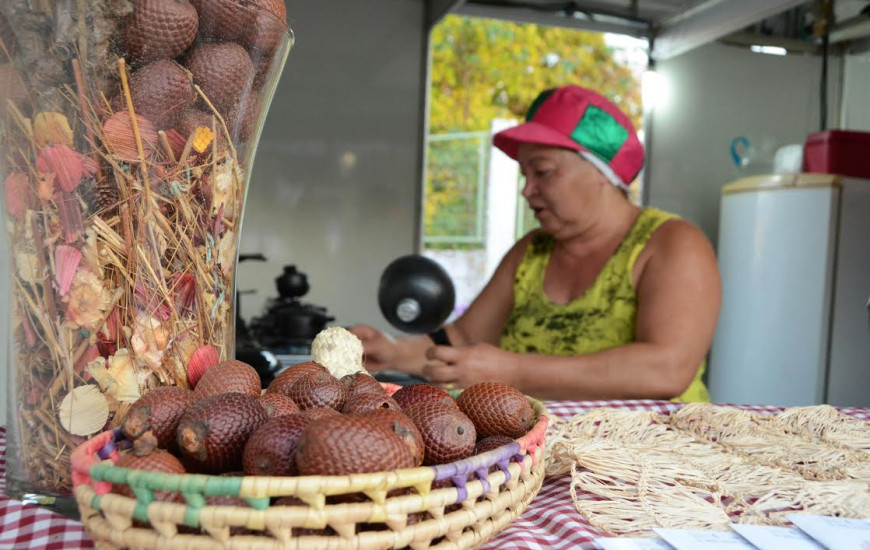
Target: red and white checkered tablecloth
(551, 522)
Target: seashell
(64, 163)
(16, 193)
(202, 359)
(52, 129)
(66, 263)
(84, 410)
(121, 141)
(184, 288)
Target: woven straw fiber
(399, 509)
(707, 466)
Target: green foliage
(484, 69)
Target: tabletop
(550, 522)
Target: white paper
(627, 543)
(835, 533)
(693, 539)
(766, 537)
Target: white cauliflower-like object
(340, 351)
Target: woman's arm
(678, 303)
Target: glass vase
(128, 131)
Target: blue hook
(740, 156)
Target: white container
(794, 253)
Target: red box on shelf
(841, 152)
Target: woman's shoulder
(675, 239)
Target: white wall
(856, 83)
(336, 184)
(716, 93)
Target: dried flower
(27, 265)
(176, 142)
(64, 163)
(227, 178)
(149, 340)
(202, 138)
(184, 289)
(52, 129)
(227, 252)
(16, 193)
(88, 301)
(121, 380)
(150, 302)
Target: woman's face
(562, 188)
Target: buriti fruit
(401, 425)
(160, 29)
(157, 460)
(160, 411)
(162, 92)
(226, 377)
(271, 450)
(277, 404)
(496, 409)
(360, 382)
(284, 381)
(368, 402)
(223, 70)
(409, 396)
(318, 389)
(342, 445)
(448, 434)
(213, 433)
(224, 19)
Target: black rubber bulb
(416, 294)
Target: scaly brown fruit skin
(359, 382)
(160, 411)
(496, 409)
(448, 434)
(492, 442)
(228, 376)
(223, 70)
(409, 396)
(268, 28)
(160, 29)
(212, 434)
(318, 389)
(284, 381)
(342, 445)
(277, 405)
(271, 450)
(401, 425)
(162, 92)
(157, 461)
(224, 19)
(369, 402)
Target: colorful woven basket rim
(89, 467)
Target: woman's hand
(464, 366)
(380, 349)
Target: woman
(606, 300)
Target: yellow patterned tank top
(602, 318)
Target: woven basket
(489, 490)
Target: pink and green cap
(579, 119)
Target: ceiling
(677, 26)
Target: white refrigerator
(794, 254)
